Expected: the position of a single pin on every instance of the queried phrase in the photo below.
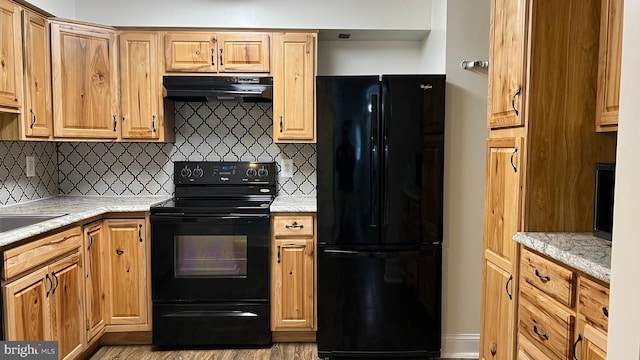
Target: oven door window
(222, 256)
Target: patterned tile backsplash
(213, 131)
(15, 186)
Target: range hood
(220, 88)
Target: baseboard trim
(461, 346)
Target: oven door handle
(181, 217)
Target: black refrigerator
(380, 208)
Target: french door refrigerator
(380, 209)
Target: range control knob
(263, 172)
(197, 172)
(185, 172)
(251, 172)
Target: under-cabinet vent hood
(220, 88)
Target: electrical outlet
(31, 166)
(286, 168)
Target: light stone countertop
(76, 208)
(581, 251)
(294, 203)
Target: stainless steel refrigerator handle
(373, 161)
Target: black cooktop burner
(206, 187)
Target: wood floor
(279, 351)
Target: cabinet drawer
(544, 323)
(593, 303)
(551, 278)
(25, 257)
(293, 225)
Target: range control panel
(221, 173)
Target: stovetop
(206, 187)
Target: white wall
(624, 324)
(60, 8)
(467, 38)
(368, 57)
(434, 46)
(324, 14)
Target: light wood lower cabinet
(127, 273)
(293, 273)
(96, 284)
(47, 303)
(551, 325)
(498, 316)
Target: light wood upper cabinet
(10, 58)
(243, 52)
(96, 284)
(214, 52)
(507, 59)
(609, 65)
(143, 115)
(294, 70)
(85, 82)
(127, 271)
(37, 76)
(293, 273)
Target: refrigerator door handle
(374, 161)
(385, 161)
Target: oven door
(207, 258)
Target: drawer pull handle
(295, 225)
(542, 335)
(605, 311)
(575, 346)
(543, 277)
(506, 287)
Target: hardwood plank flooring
(279, 351)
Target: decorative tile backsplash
(15, 186)
(213, 131)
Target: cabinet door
(507, 57)
(591, 341)
(67, 316)
(293, 286)
(243, 52)
(10, 57)
(85, 93)
(27, 307)
(502, 201)
(95, 270)
(294, 72)
(127, 271)
(609, 65)
(187, 51)
(497, 323)
(37, 74)
(140, 85)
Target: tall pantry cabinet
(542, 145)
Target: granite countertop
(75, 208)
(294, 203)
(581, 251)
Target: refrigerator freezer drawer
(379, 303)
